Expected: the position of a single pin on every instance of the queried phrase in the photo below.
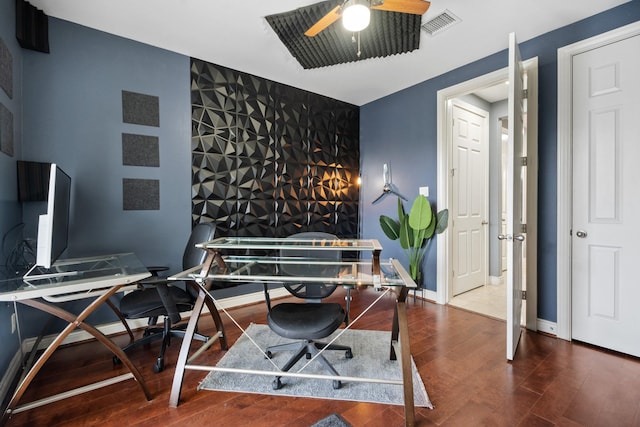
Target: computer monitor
(33, 181)
(53, 227)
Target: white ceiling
(234, 33)
(493, 93)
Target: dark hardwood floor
(460, 356)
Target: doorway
(469, 180)
(492, 81)
(476, 179)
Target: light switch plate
(424, 191)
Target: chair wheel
(277, 384)
(336, 384)
(348, 354)
(158, 366)
(268, 354)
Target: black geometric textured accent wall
(269, 159)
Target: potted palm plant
(415, 231)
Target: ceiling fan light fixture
(356, 17)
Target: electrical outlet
(13, 323)
(424, 191)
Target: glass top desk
(267, 266)
(97, 277)
(229, 245)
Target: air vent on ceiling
(440, 23)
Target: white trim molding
(547, 327)
(564, 166)
(496, 280)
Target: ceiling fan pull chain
(359, 44)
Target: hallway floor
(490, 300)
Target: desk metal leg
(203, 298)
(400, 334)
(178, 376)
(405, 364)
(74, 322)
(215, 315)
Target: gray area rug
(333, 420)
(370, 360)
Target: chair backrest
(202, 232)
(311, 291)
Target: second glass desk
(268, 267)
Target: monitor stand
(47, 274)
(76, 267)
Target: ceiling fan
(355, 13)
(388, 187)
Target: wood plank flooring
(460, 356)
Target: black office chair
(311, 320)
(160, 297)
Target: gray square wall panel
(140, 150)
(6, 69)
(140, 109)
(140, 194)
(6, 131)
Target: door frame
(485, 115)
(444, 248)
(444, 155)
(565, 169)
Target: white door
(515, 184)
(606, 203)
(469, 208)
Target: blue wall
(73, 108)
(401, 129)
(10, 209)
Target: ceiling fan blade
(415, 7)
(328, 19)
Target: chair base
(165, 333)
(310, 349)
